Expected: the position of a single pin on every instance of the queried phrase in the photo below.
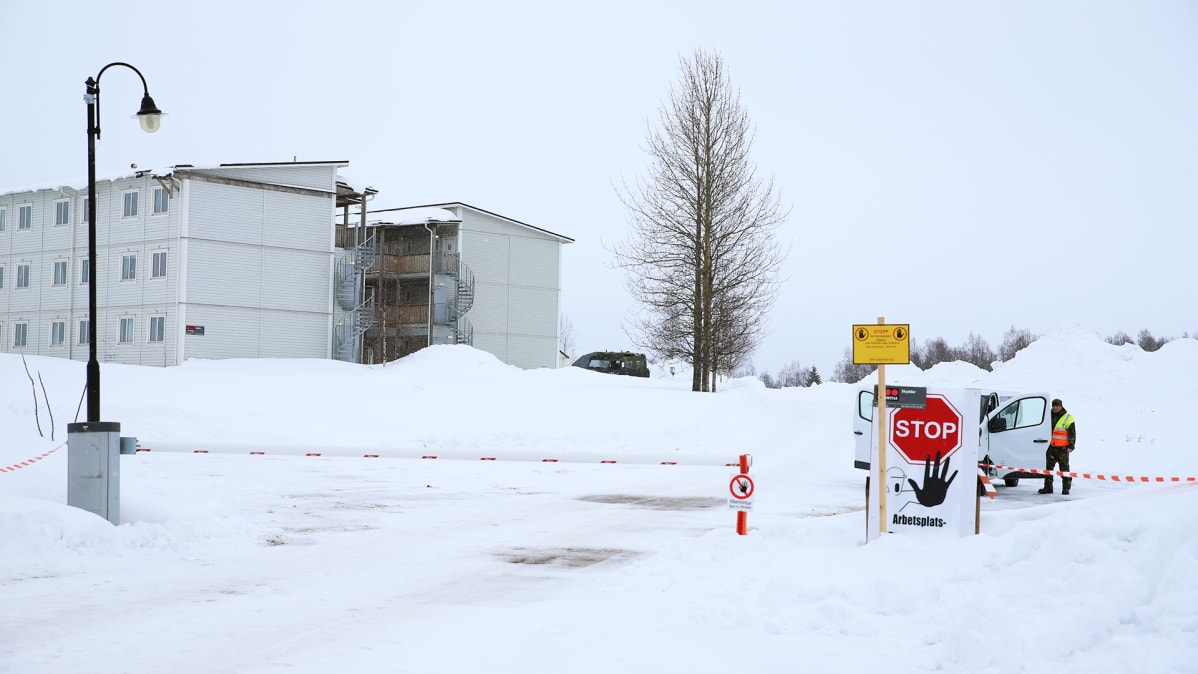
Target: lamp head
(149, 116)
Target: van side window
(1023, 413)
(865, 405)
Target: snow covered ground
(546, 559)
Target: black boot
(1045, 490)
(1065, 491)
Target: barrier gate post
(742, 517)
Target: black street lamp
(150, 118)
(93, 456)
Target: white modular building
(490, 281)
(254, 261)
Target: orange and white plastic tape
(29, 462)
(1095, 476)
(990, 490)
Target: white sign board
(931, 474)
(741, 488)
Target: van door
(864, 435)
(1017, 434)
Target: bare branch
(36, 418)
(45, 397)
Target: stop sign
(918, 434)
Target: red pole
(742, 517)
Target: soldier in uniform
(1064, 435)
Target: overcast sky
(961, 167)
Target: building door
(440, 305)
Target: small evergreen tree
(813, 377)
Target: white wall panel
(225, 213)
(517, 276)
(229, 332)
(296, 280)
(288, 217)
(316, 177)
(223, 273)
(290, 334)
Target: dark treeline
(975, 351)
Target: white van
(1013, 430)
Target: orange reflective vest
(1060, 432)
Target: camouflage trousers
(1057, 456)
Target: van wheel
(1011, 481)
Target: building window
(130, 205)
(84, 334)
(87, 212)
(23, 276)
(62, 212)
(157, 328)
(126, 331)
(85, 271)
(1, 278)
(60, 272)
(159, 265)
(3, 218)
(25, 217)
(58, 333)
(161, 200)
(128, 267)
(20, 335)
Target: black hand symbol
(934, 487)
(742, 486)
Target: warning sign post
(882, 344)
(930, 486)
(878, 345)
(741, 488)
(740, 499)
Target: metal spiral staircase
(360, 316)
(463, 331)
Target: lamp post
(150, 118)
(93, 447)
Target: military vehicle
(615, 362)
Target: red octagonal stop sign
(919, 434)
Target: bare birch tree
(701, 260)
(792, 376)
(565, 335)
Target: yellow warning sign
(881, 344)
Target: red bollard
(742, 517)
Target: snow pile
(546, 559)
